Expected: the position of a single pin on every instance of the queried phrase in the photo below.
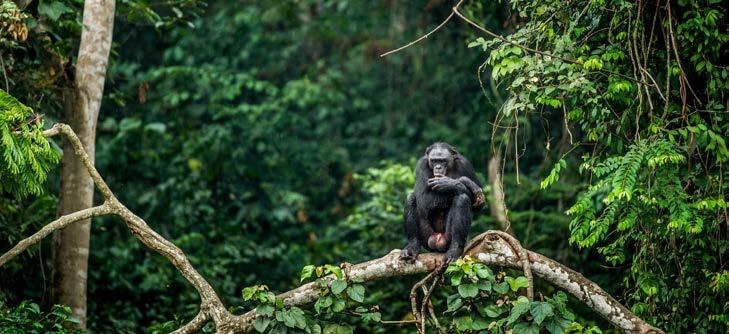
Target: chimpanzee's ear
(427, 150)
(454, 151)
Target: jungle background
(262, 136)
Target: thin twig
(5, 75)
(421, 37)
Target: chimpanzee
(439, 211)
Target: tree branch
(489, 248)
(211, 305)
(57, 224)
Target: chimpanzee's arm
(410, 222)
(474, 191)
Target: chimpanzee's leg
(410, 220)
(457, 226)
(476, 193)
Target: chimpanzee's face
(440, 158)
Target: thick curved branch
(491, 249)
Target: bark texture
(83, 100)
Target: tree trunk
(83, 100)
(496, 200)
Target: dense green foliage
(27, 156)
(253, 134)
(644, 88)
(28, 318)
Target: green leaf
(454, 303)
(501, 288)
(265, 310)
(334, 270)
(521, 306)
(278, 329)
(468, 290)
(261, 323)
(356, 292)
(299, 317)
(492, 311)
(53, 10)
(339, 305)
(479, 323)
(306, 272)
(525, 328)
(483, 271)
(338, 286)
(540, 311)
(517, 283)
(322, 303)
(557, 326)
(338, 329)
(288, 318)
(372, 317)
(456, 278)
(484, 286)
(463, 323)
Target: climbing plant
(643, 93)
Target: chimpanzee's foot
(410, 253)
(450, 256)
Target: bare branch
(194, 325)
(52, 226)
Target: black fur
(442, 205)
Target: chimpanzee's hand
(442, 183)
(450, 256)
(410, 253)
(479, 198)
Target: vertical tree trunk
(496, 200)
(83, 100)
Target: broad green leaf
(338, 286)
(484, 286)
(520, 307)
(556, 326)
(463, 323)
(479, 323)
(525, 328)
(492, 311)
(265, 310)
(468, 290)
(356, 292)
(261, 323)
(53, 9)
(501, 288)
(483, 271)
(540, 311)
(454, 303)
(339, 305)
